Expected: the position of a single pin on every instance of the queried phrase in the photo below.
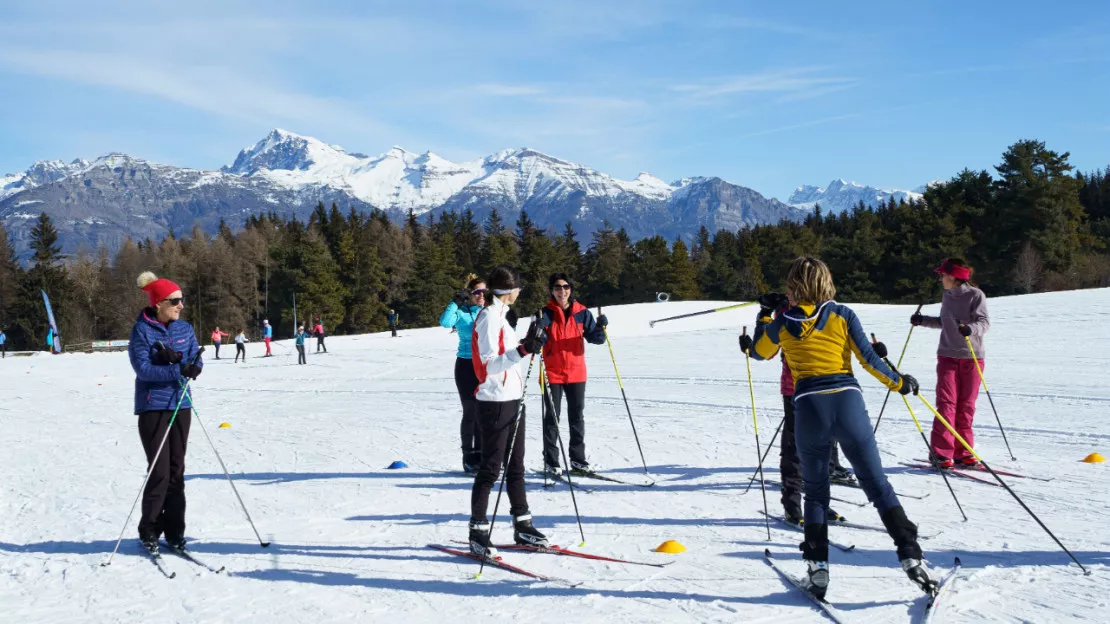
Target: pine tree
(498, 247)
(682, 274)
(468, 243)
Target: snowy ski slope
(309, 445)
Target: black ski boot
(526, 534)
(149, 541)
(904, 534)
(480, 543)
(176, 542)
(793, 515)
(815, 551)
(552, 471)
(580, 468)
(840, 474)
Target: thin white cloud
(794, 81)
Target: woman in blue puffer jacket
(460, 315)
(165, 355)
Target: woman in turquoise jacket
(459, 316)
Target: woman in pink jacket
(963, 316)
(217, 339)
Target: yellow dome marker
(670, 547)
(1094, 458)
(225, 425)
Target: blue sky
(887, 93)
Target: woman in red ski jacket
(567, 323)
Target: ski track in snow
(308, 446)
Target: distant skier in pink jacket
(217, 339)
(963, 315)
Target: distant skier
(50, 340)
(567, 324)
(963, 316)
(459, 316)
(392, 318)
(500, 389)
(217, 339)
(164, 353)
(241, 345)
(267, 335)
(318, 331)
(3, 345)
(818, 335)
(299, 343)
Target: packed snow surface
(308, 447)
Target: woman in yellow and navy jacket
(818, 336)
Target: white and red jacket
(493, 351)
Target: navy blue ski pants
(818, 420)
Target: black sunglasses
(480, 292)
(176, 301)
(561, 287)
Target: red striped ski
(559, 550)
(980, 468)
(497, 562)
(955, 473)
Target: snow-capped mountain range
(100, 202)
(840, 196)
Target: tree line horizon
(1034, 226)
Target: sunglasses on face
(176, 301)
(479, 293)
(561, 287)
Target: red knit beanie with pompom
(156, 289)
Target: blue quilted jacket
(158, 385)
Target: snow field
(308, 447)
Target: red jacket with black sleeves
(565, 352)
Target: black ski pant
(576, 403)
(495, 426)
(466, 381)
(163, 507)
(790, 467)
(393, 330)
(240, 348)
(217, 345)
(300, 354)
(320, 344)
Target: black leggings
(300, 354)
(495, 425)
(240, 348)
(467, 383)
(576, 401)
(163, 508)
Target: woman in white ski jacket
(496, 352)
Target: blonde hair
(810, 281)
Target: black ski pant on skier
(240, 349)
(466, 382)
(320, 343)
(163, 507)
(495, 426)
(790, 467)
(217, 345)
(300, 354)
(576, 404)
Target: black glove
(533, 340)
(461, 298)
(909, 384)
(603, 320)
(880, 349)
(192, 371)
(965, 331)
(916, 319)
(164, 355)
(746, 343)
(772, 301)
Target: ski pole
(242, 505)
(512, 444)
(975, 358)
(562, 450)
(150, 470)
(682, 316)
(904, 347)
(1001, 482)
(623, 395)
(770, 445)
(755, 425)
(921, 431)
